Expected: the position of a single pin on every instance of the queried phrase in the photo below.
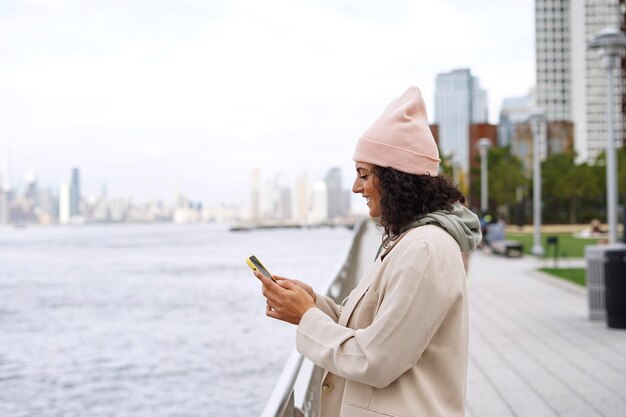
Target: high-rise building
(255, 196)
(571, 83)
(283, 196)
(31, 192)
(319, 202)
(336, 198)
(459, 102)
(284, 207)
(557, 137)
(589, 84)
(302, 198)
(75, 193)
(64, 204)
(48, 207)
(552, 56)
(514, 110)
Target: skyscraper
(64, 204)
(75, 193)
(459, 101)
(589, 100)
(571, 85)
(319, 202)
(336, 197)
(31, 192)
(514, 110)
(302, 197)
(553, 61)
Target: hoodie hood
(460, 222)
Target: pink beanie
(401, 138)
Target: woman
(398, 346)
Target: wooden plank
(521, 397)
(484, 398)
(567, 389)
(591, 378)
(533, 351)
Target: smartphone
(256, 265)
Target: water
(147, 320)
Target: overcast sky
(141, 95)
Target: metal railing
(296, 394)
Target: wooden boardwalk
(533, 350)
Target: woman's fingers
(267, 282)
(269, 312)
(286, 299)
(274, 294)
(288, 284)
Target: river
(147, 320)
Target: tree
(565, 185)
(505, 176)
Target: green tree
(565, 185)
(505, 176)
(506, 173)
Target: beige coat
(398, 347)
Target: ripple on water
(151, 321)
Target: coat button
(327, 387)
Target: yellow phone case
(256, 265)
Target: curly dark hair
(407, 197)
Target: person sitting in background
(495, 231)
(595, 226)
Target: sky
(150, 96)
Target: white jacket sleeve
(328, 306)
(415, 302)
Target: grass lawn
(569, 246)
(575, 275)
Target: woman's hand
(287, 300)
(304, 286)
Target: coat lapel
(353, 299)
(363, 286)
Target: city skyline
(197, 93)
(273, 197)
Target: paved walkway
(533, 350)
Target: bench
(509, 248)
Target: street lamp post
(611, 45)
(483, 147)
(537, 120)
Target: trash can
(594, 255)
(615, 287)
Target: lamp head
(610, 44)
